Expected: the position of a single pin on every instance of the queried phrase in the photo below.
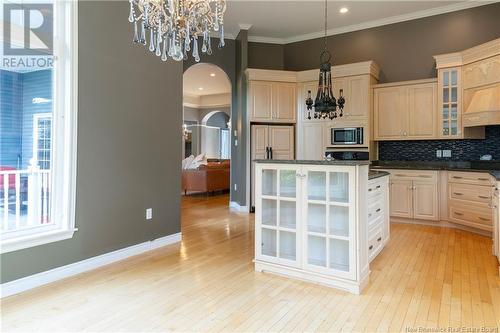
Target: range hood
(484, 107)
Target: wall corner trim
(236, 207)
(43, 278)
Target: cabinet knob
(371, 247)
(379, 239)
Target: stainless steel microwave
(347, 136)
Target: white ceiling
(283, 21)
(198, 76)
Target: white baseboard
(39, 279)
(233, 205)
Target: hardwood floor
(426, 277)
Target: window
(42, 131)
(38, 77)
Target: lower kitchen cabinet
(310, 222)
(414, 195)
(378, 215)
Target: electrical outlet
(236, 142)
(447, 153)
(149, 214)
(236, 187)
(439, 153)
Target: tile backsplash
(425, 150)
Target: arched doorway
(206, 139)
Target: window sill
(10, 245)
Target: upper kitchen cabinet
(355, 80)
(405, 110)
(272, 96)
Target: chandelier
(176, 27)
(325, 104)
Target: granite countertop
(491, 167)
(377, 174)
(314, 162)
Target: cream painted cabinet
(401, 201)
(281, 142)
(272, 101)
(425, 201)
(311, 146)
(260, 103)
(390, 117)
(405, 111)
(414, 194)
(422, 111)
(449, 102)
(284, 99)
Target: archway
(206, 137)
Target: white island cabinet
(311, 221)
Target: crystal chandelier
(325, 104)
(174, 27)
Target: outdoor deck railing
(24, 198)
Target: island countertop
(314, 162)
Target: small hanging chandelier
(174, 26)
(325, 104)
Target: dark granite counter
(377, 174)
(491, 167)
(315, 162)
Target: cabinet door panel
(284, 102)
(281, 140)
(260, 100)
(425, 201)
(312, 142)
(357, 96)
(259, 143)
(401, 198)
(422, 114)
(390, 113)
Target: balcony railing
(24, 198)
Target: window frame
(64, 137)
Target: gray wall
(129, 147)
(403, 50)
(266, 56)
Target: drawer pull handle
(484, 219)
(378, 210)
(379, 239)
(400, 175)
(482, 179)
(378, 186)
(458, 193)
(483, 197)
(424, 176)
(370, 189)
(459, 214)
(371, 247)
(457, 177)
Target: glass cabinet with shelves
(449, 92)
(309, 217)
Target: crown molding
(358, 68)
(480, 52)
(245, 26)
(374, 23)
(254, 74)
(448, 60)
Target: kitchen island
(312, 220)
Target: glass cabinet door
(329, 225)
(277, 216)
(449, 83)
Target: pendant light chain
(325, 104)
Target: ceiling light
(200, 88)
(343, 10)
(212, 74)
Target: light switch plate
(447, 153)
(439, 153)
(149, 213)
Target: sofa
(214, 176)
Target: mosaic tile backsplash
(425, 150)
